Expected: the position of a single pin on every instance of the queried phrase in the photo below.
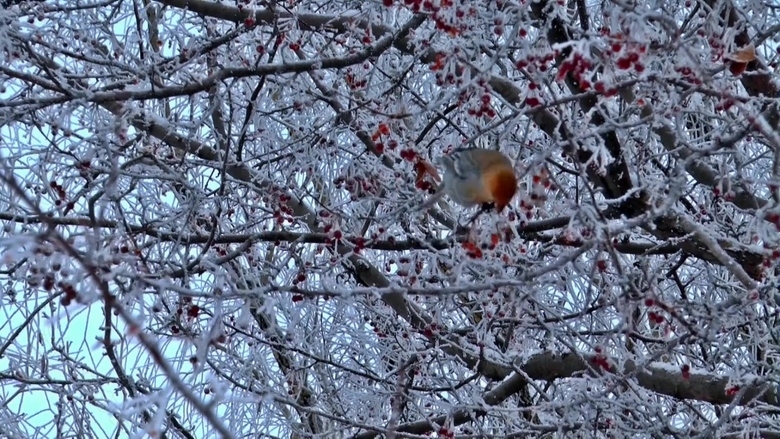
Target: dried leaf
(429, 169)
(743, 55)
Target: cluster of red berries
(484, 108)
(688, 74)
(192, 310)
(576, 65)
(627, 60)
(354, 82)
(69, 293)
(61, 194)
(600, 360)
(357, 185)
(533, 62)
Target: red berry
(532, 102)
(623, 63)
(193, 311)
(737, 68)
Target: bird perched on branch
(476, 176)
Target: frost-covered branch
(658, 377)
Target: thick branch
(657, 377)
(528, 232)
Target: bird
(476, 176)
